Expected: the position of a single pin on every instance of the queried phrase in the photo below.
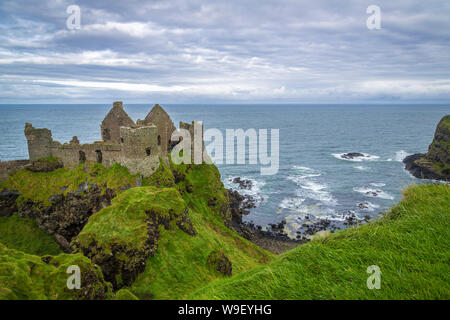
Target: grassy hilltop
(410, 244)
(157, 241)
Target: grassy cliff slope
(40, 186)
(25, 276)
(410, 244)
(180, 267)
(24, 235)
(156, 239)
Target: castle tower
(39, 142)
(116, 118)
(159, 117)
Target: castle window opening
(148, 151)
(159, 140)
(82, 156)
(106, 134)
(121, 140)
(99, 156)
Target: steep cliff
(435, 164)
(154, 235)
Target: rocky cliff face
(66, 216)
(435, 164)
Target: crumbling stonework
(136, 146)
(8, 168)
(116, 118)
(162, 121)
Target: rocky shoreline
(276, 238)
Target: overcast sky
(189, 51)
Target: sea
(313, 179)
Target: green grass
(180, 267)
(124, 221)
(24, 235)
(40, 186)
(24, 276)
(162, 177)
(410, 245)
(445, 123)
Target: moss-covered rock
(44, 165)
(203, 182)
(162, 177)
(24, 276)
(147, 238)
(179, 266)
(435, 164)
(24, 235)
(122, 236)
(61, 201)
(220, 262)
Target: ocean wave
(311, 189)
(371, 192)
(314, 216)
(362, 168)
(365, 157)
(400, 155)
(254, 190)
(303, 168)
(292, 203)
(379, 185)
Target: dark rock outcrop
(243, 183)
(273, 240)
(44, 165)
(220, 262)
(67, 214)
(435, 164)
(120, 261)
(8, 204)
(352, 155)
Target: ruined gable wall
(158, 117)
(140, 151)
(116, 118)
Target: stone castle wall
(140, 151)
(8, 168)
(136, 146)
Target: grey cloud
(252, 51)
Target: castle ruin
(137, 146)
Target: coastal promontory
(435, 164)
